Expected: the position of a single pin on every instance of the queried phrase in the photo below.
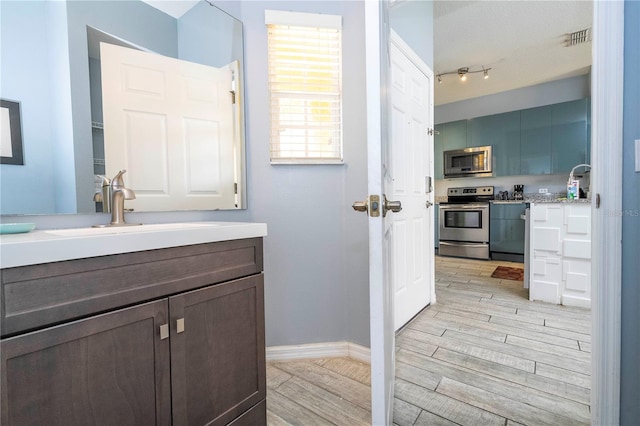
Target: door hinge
(235, 187)
(233, 96)
(432, 132)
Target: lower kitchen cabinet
(560, 253)
(506, 231)
(194, 356)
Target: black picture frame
(14, 132)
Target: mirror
(48, 65)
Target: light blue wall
(209, 38)
(630, 356)
(568, 89)
(31, 86)
(316, 255)
(413, 21)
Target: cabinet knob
(180, 325)
(164, 331)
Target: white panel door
(169, 123)
(409, 162)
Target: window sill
(297, 162)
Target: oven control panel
(471, 190)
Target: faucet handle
(117, 179)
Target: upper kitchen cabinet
(569, 135)
(535, 141)
(502, 132)
(452, 135)
(438, 150)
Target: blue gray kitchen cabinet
(455, 135)
(506, 229)
(502, 132)
(569, 142)
(535, 141)
(452, 135)
(438, 150)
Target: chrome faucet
(118, 193)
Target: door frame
(606, 133)
(381, 327)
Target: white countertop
(44, 246)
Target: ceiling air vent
(579, 37)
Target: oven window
(463, 219)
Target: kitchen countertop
(54, 245)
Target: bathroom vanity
(154, 326)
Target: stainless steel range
(464, 222)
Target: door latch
(371, 206)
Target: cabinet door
(218, 362)
(502, 132)
(535, 141)
(568, 135)
(506, 232)
(112, 369)
(455, 135)
(438, 151)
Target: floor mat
(508, 273)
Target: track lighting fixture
(462, 73)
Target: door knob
(360, 206)
(394, 206)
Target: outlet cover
(543, 190)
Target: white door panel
(409, 155)
(169, 123)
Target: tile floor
(482, 355)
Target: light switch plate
(543, 190)
(637, 155)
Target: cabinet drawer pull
(180, 325)
(164, 331)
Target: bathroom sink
(55, 245)
(80, 232)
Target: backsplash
(555, 184)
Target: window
(305, 87)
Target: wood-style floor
(482, 355)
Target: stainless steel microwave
(468, 162)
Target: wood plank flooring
(482, 355)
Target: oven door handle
(444, 243)
(463, 207)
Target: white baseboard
(319, 350)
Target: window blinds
(305, 93)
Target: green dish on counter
(16, 228)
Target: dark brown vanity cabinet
(193, 356)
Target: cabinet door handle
(179, 325)
(164, 331)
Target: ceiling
(175, 8)
(522, 41)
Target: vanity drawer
(40, 295)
